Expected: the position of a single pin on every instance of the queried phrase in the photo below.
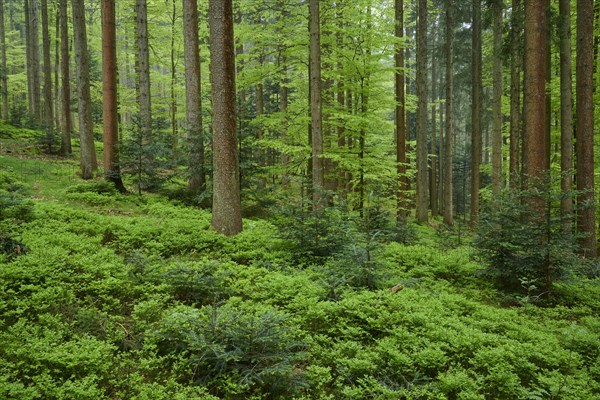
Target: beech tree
(193, 92)
(88, 161)
(226, 207)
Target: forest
(299, 199)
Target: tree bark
(584, 145)
(422, 163)
(497, 8)
(112, 168)
(88, 161)
(143, 73)
(476, 113)
(35, 53)
(448, 186)
(193, 96)
(400, 120)
(67, 126)
(515, 92)
(318, 178)
(48, 102)
(566, 117)
(433, 195)
(226, 208)
(3, 71)
(174, 130)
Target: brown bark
(67, 126)
(497, 8)
(400, 120)
(226, 208)
(584, 145)
(29, 57)
(318, 178)
(422, 164)
(88, 162)
(174, 129)
(566, 117)
(112, 168)
(433, 195)
(35, 54)
(515, 92)
(448, 187)
(476, 113)
(143, 72)
(48, 102)
(3, 71)
(193, 95)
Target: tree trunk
(566, 117)
(402, 200)
(497, 9)
(226, 208)
(448, 188)
(584, 145)
(143, 73)
(193, 96)
(318, 178)
(48, 102)
(112, 168)
(88, 160)
(476, 133)
(174, 130)
(67, 126)
(3, 71)
(422, 164)
(35, 54)
(433, 196)
(29, 57)
(515, 92)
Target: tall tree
(28, 57)
(88, 161)
(226, 207)
(3, 71)
(566, 116)
(476, 112)
(422, 171)
(48, 102)
(318, 178)
(112, 168)
(35, 54)
(516, 62)
(402, 200)
(448, 188)
(497, 10)
(143, 71)
(67, 127)
(193, 95)
(584, 145)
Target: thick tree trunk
(422, 164)
(193, 96)
(515, 92)
(112, 168)
(318, 178)
(402, 200)
(226, 208)
(88, 161)
(476, 113)
(566, 117)
(584, 144)
(497, 8)
(433, 196)
(48, 102)
(67, 126)
(143, 73)
(3, 71)
(448, 187)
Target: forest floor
(112, 296)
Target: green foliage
(15, 204)
(236, 347)
(525, 254)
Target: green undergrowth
(122, 297)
